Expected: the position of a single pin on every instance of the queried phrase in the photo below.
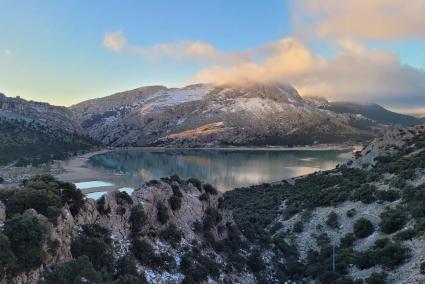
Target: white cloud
(114, 41)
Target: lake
(224, 168)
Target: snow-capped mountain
(206, 115)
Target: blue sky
(52, 50)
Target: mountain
(43, 113)
(35, 133)
(374, 112)
(209, 115)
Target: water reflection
(226, 169)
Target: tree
(363, 228)
(7, 258)
(28, 236)
(78, 270)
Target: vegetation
(363, 228)
(392, 220)
(162, 213)
(137, 218)
(77, 270)
(94, 242)
(27, 235)
(31, 143)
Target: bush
(363, 228)
(405, 235)
(387, 195)
(422, 269)
(137, 218)
(377, 278)
(392, 220)
(196, 183)
(332, 220)
(365, 193)
(351, 213)
(210, 189)
(255, 262)
(212, 218)
(298, 227)
(175, 202)
(7, 258)
(28, 236)
(162, 213)
(347, 240)
(79, 270)
(172, 235)
(95, 242)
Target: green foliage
(171, 235)
(197, 267)
(79, 270)
(175, 200)
(138, 218)
(162, 213)
(146, 255)
(405, 235)
(392, 220)
(209, 189)
(363, 228)
(211, 219)
(94, 242)
(385, 252)
(32, 143)
(332, 220)
(126, 271)
(377, 278)
(27, 235)
(7, 258)
(255, 262)
(347, 240)
(298, 227)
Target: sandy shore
(76, 169)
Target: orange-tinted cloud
(355, 72)
(371, 19)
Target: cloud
(366, 19)
(7, 52)
(114, 41)
(355, 72)
(184, 49)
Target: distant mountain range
(201, 115)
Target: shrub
(137, 218)
(95, 242)
(212, 218)
(332, 220)
(351, 213)
(377, 278)
(392, 220)
(7, 258)
(175, 202)
(28, 236)
(255, 262)
(347, 240)
(73, 197)
(122, 198)
(162, 213)
(196, 183)
(172, 235)
(210, 189)
(405, 235)
(298, 227)
(422, 268)
(102, 207)
(389, 254)
(204, 197)
(363, 228)
(387, 195)
(79, 270)
(365, 193)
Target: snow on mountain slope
(204, 114)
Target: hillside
(371, 210)
(374, 112)
(209, 115)
(26, 142)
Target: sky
(64, 52)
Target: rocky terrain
(362, 222)
(209, 115)
(367, 214)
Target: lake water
(225, 169)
